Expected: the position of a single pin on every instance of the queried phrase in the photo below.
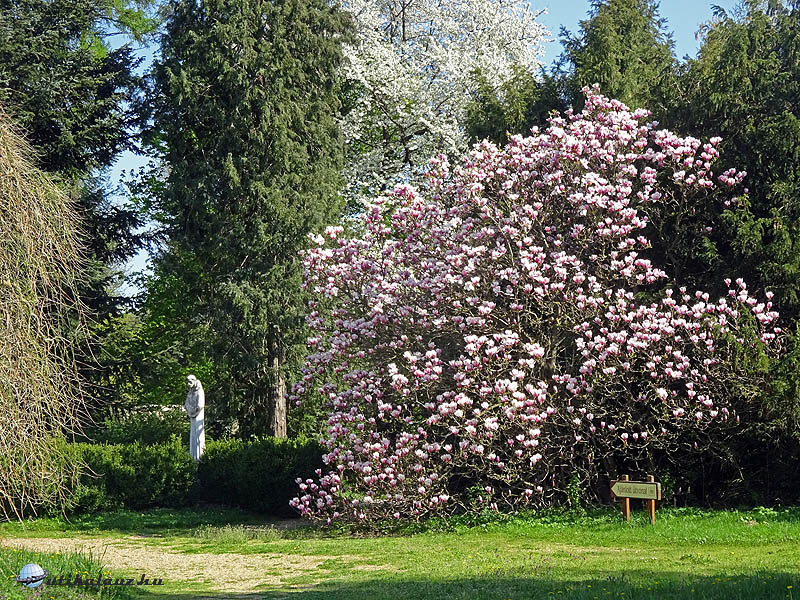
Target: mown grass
(687, 554)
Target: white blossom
(413, 71)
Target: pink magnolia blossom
(473, 334)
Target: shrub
(133, 476)
(504, 331)
(146, 426)
(259, 474)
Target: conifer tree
(745, 84)
(73, 95)
(245, 109)
(623, 46)
(64, 86)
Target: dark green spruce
(744, 86)
(245, 104)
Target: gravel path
(233, 573)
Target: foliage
(40, 399)
(258, 474)
(147, 352)
(519, 104)
(412, 71)
(74, 97)
(68, 94)
(244, 111)
(501, 331)
(110, 231)
(744, 85)
(132, 475)
(146, 425)
(623, 46)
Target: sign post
(626, 489)
(651, 503)
(626, 502)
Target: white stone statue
(195, 405)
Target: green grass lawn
(723, 555)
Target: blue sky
(683, 19)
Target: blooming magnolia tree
(487, 339)
(412, 69)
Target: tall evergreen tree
(745, 85)
(64, 86)
(73, 96)
(623, 46)
(245, 109)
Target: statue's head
(191, 381)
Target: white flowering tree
(412, 71)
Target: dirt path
(232, 573)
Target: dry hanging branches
(40, 397)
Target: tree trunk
(277, 393)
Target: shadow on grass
(177, 521)
(634, 585)
(164, 520)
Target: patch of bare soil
(235, 573)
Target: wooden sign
(626, 489)
(646, 490)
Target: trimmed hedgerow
(134, 476)
(258, 474)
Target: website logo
(32, 575)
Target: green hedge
(259, 474)
(133, 476)
(156, 426)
